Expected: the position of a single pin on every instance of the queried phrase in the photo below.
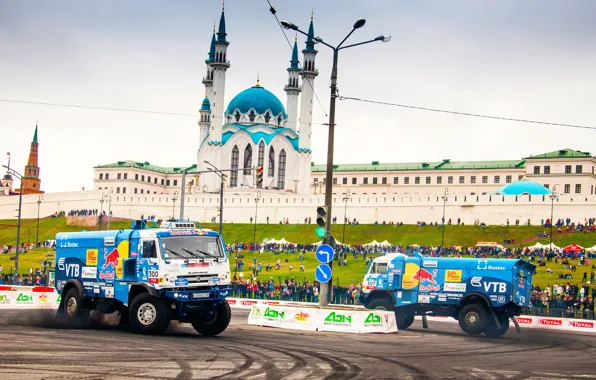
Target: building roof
(376, 166)
(294, 62)
(521, 187)
(257, 98)
(206, 106)
(145, 166)
(562, 153)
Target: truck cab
(482, 294)
(150, 274)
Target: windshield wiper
(208, 254)
(175, 253)
(191, 253)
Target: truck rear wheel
(473, 319)
(148, 314)
(215, 324)
(403, 320)
(492, 330)
(72, 307)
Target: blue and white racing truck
(150, 275)
(482, 294)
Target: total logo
(582, 324)
(524, 320)
(550, 322)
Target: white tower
(208, 79)
(204, 119)
(293, 89)
(219, 65)
(308, 75)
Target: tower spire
(221, 33)
(310, 42)
(35, 134)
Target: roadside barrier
(324, 319)
(28, 297)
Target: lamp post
(445, 196)
(37, 233)
(327, 288)
(315, 185)
(296, 185)
(16, 258)
(552, 196)
(221, 193)
(257, 199)
(101, 209)
(174, 198)
(109, 209)
(346, 199)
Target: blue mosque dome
(259, 98)
(521, 187)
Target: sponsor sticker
(430, 264)
(550, 322)
(302, 316)
(108, 241)
(25, 298)
(181, 282)
(92, 255)
(423, 298)
(106, 275)
(451, 287)
(89, 272)
(197, 265)
(248, 302)
(4, 298)
(452, 275)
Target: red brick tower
(31, 183)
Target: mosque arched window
(247, 159)
(267, 117)
(234, 173)
(261, 158)
(271, 162)
(279, 120)
(237, 116)
(251, 116)
(281, 174)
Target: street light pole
(327, 287)
(174, 198)
(101, 209)
(552, 196)
(445, 195)
(257, 199)
(37, 233)
(109, 210)
(346, 199)
(182, 186)
(16, 258)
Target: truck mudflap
(196, 295)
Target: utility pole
(346, 199)
(445, 196)
(37, 233)
(257, 199)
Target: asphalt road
(33, 347)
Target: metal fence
(559, 313)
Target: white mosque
(255, 130)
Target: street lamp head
(318, 40)
(383, 38)
(359, 24)
(288, 25)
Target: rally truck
(149, 274)
(481, 294)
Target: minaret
(30, 183)
(293, 88)
(308, 75)
(219, 65)
(208, 79)
(204, 119)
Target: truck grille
(202, 279)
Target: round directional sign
(325, 253)
(323, 273)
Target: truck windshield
(192, 247)
(378, 268)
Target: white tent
(321, 242)
(541, 246)
(273, 241)
(591, 249)
(373, 243)
(385, 244)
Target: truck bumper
(193, 296)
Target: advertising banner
(285, 317)
(28, 300)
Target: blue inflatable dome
(523, 186)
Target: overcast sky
(531, 59)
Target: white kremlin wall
(239, 207)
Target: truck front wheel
(473, 319)
(148, 314)
(73, 309)
(215, 324)
(492, 330)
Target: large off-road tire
(217, 323)
(491, 328)
(148, 314)
(403, 320)
(473, 319)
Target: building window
(247, 159)
(384, 180)
(365, 180)
(374, 180)
(281, 173)
(547, 186)
(261, 158)
(567, 188)
(124, 190)
(119, 176)
(519, 177)
(578, 188)
(271, 162)
(117, 190)
(175, 182)
(417, 181)
(497, 179)
(354, 181)
(567, 169)
(473, 179)
(136, 177)
(547, 170)
(168, 182)
(100, 175)
(450, 179)
(406, 180)
(344, 181)
(536, 169)
(149, 179)
(335, 181)
(234, 173)
(395, 180)
(462, 179)
(578, 169)
(439, 180)
(143, 178)
(142, 191)
(136, 190)
(162, 181)
(508, 179)
(155, 180)
(428, 180)
(107, 175)
(484, 179)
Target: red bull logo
(111, 258)
(425, 276)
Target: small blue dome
(523, 186)
(206, 106)
(259, 98)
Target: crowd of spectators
(83, 212)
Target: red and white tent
(573, 248)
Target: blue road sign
(325, 253)
(323, 273)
